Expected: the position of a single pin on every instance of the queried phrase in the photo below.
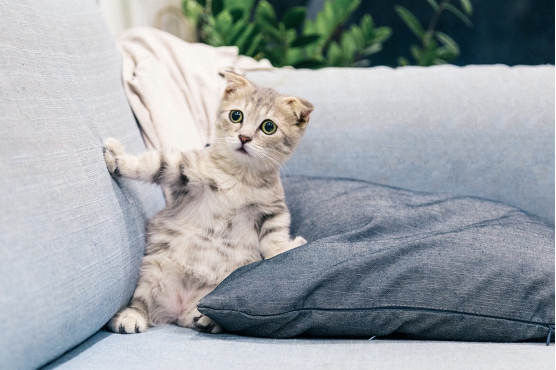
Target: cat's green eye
(269, 127)
(236, 116)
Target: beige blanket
(174, 87)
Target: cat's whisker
(266, 157)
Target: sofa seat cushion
(172, 347)
(383, 261)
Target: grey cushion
(71, 238)
(382, 261)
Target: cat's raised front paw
(128, 321)
(112, 149)
(299, 240)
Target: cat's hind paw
(128, 321)
(112, 149)
(207, 325)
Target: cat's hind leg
(132, 319)
(195, 320)
(141, 311)
(189, 316)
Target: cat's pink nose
(244, 139)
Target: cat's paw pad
(298, 241)
(206, 325)
(128, 321)
(112, 149)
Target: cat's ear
(235, 82)
(302, 109)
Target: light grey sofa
(71, 238)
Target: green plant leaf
(448, 42)
(373, 49)
(223, 22)
(330, 12)
(349, 46)
(358, 37)
(416, 53)
(382, 34)
(439, 61)
(367, 25)
(245, 35)
(433, 4)
(294, 17)
(334, 55)
(294, 56)
(309, 63)
(411, 21)
(236, 30)
(192, 10)
(254, 45)
(305, 40)
(265, 13)
(244, 5)
(402, 62)
(460, 15)
(291, 35)
(466, 6)
(348, 6)
(445, 54)
(272, 33)
(428, 55)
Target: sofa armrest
(486, 131)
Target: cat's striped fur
(225, 206)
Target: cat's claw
(112, 149)
(128, 321)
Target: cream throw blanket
(174, 87)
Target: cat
(225, 205)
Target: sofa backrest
(71, 237)
(485, 131)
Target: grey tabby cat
(225, 205)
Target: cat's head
(257, 126)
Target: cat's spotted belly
(210, 253)
(192, 264)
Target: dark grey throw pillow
(382, 261)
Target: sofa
(72, 237)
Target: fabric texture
(485, 131)
(174, 87)
(172, 347)
(71, 237)
(383, 261)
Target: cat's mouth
(242, 150)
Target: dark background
(510, 32)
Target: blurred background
(511, 32)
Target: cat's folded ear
(235, 82)
(302, 109)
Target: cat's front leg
(165, 168)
